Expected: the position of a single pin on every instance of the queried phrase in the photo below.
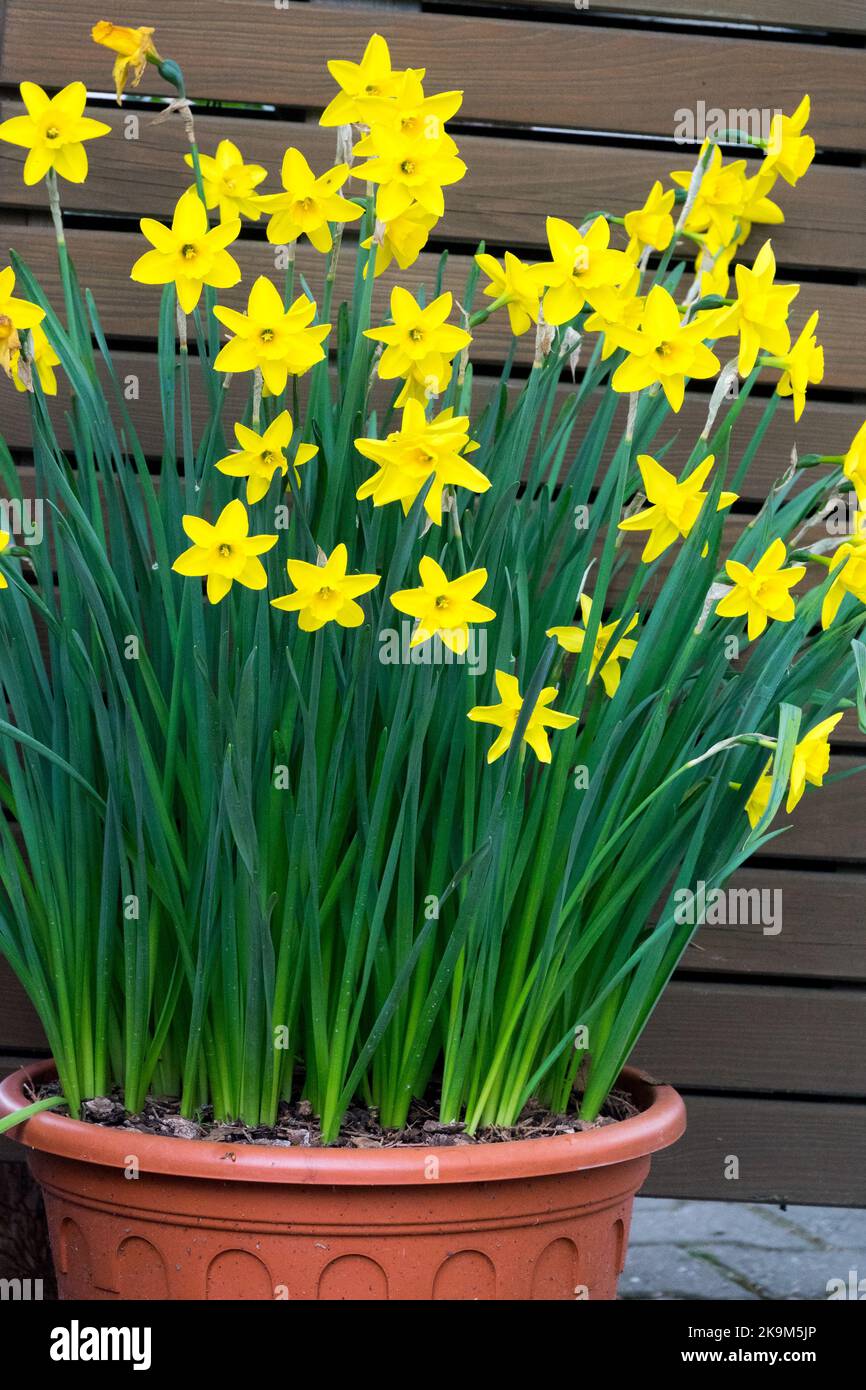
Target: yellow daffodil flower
(676, 505)
(759, 798)
(229, 183)
(267, 336)
(618, 315)
(811, 761)
(326, 593)
(409, 169)
(444, 606)
(134, 49)
(571, 639)
(667, 351)
(728, 202)
(760, 312)
(854, 464)
(506, 714)
(42, 356)
(802, 366)
(360, 82)
(188, 253)
(419, 450)
(761, 593)
(308, 203)
(20, 312)
(224, 552)
(419, 345)
(401, 240)
(848, 566)
(581, 263)
(4, 541)
(262, 455)
(409, 112)
(651, 225)
(789, 151)
(516, 285)
(53, 131)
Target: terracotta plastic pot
(135, 1216)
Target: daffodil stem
(62, 255)
(482, 315)
(257, 398)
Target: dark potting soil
(298, 1127)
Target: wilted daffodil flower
(188, 254)
(10, 344)
(278, 341)
(53, 131)
(516, 285)
(263, 455)
(571, 639)
(761, 593)
(506, 714)
(675, 504)
(134, 49)
(325, 593)
(308, 204)
(362, 82)
(41, 356)
(229, 183)
(760, 312)
(419, 345)
(666, 350)
(582, 262)
(444, 606)
(802, 366)
(848, 567)
(224, 552)
(789, 151)
(651, 225)
(419, 450)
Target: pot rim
(661, 1121)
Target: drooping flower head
(848, 568)
(53, 132)
(134, 49)
(789, 151)
(802, 366)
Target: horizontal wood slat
(511, 186)
(788, 1151)
(279, 55)
(821, 937)
(103, 261)
(844, 16)
(734, 1038)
